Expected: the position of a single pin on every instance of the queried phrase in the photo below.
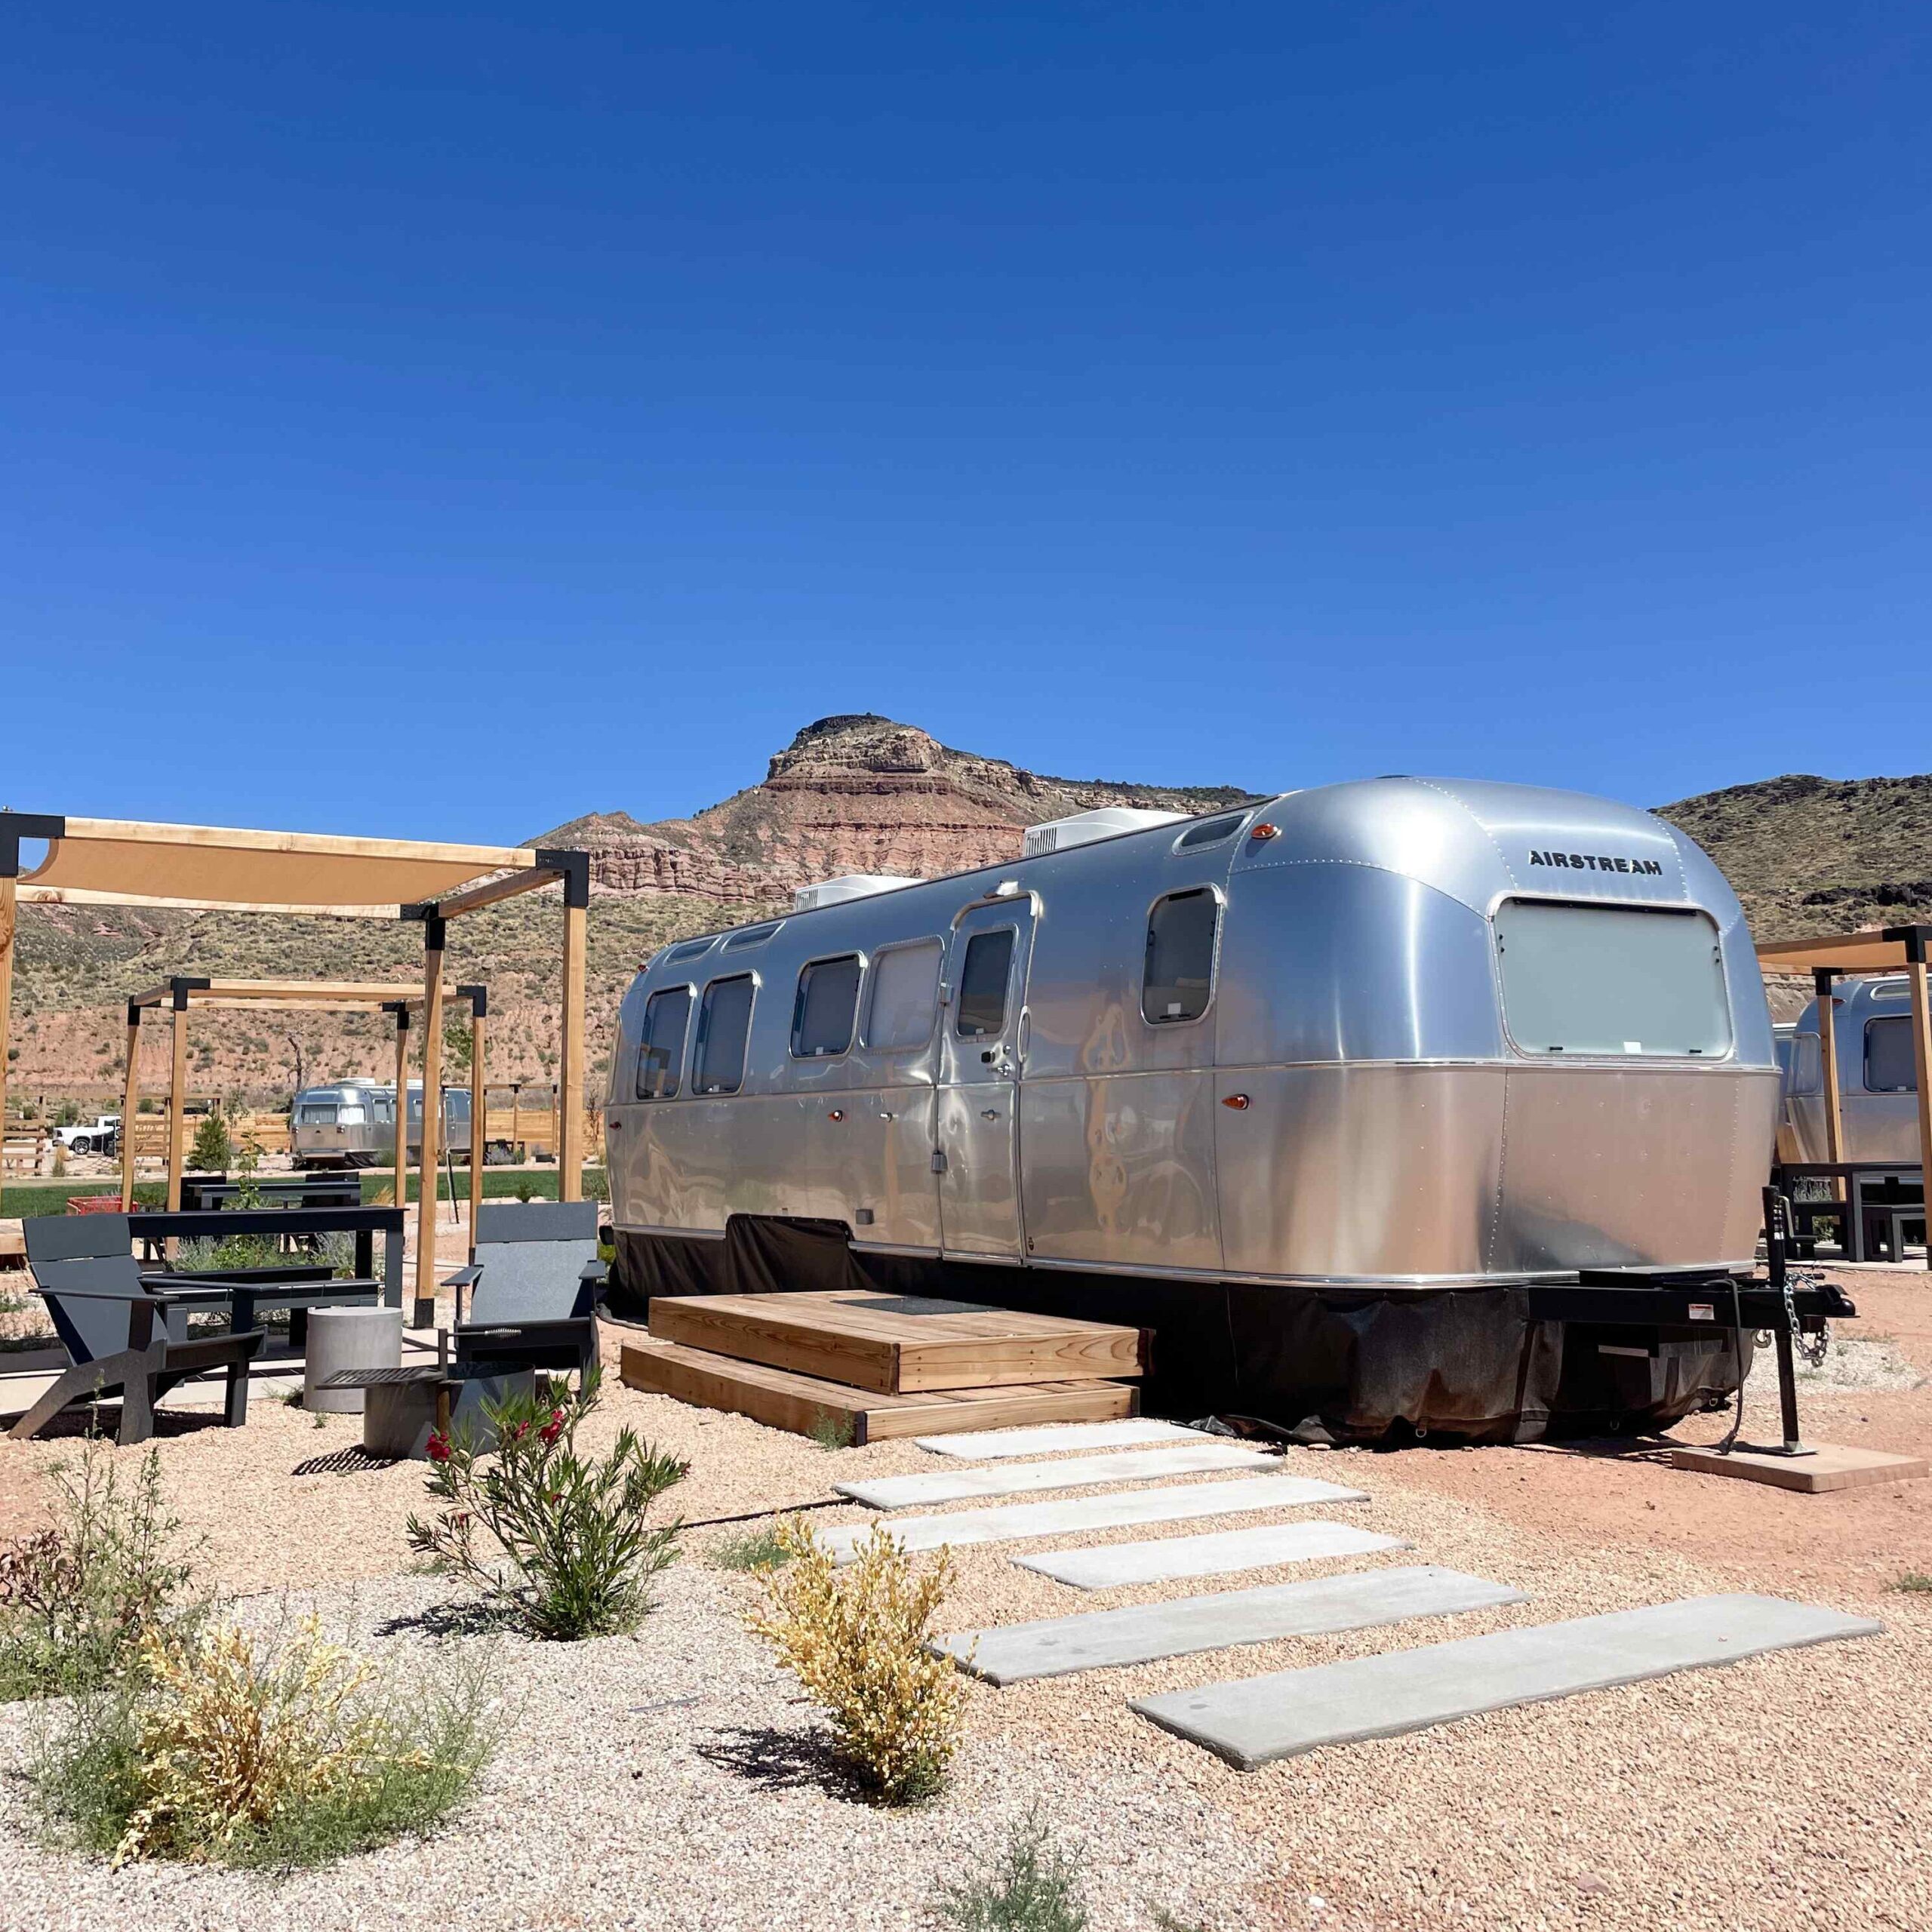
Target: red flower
(550, 1433)
(439, 1449)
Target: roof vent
(848, 885)
(1083, 828)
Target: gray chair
(533, 1280)
(123, 1330)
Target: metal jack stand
(1777, 1244)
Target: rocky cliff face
(852, 794)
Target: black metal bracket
(134, 1011)
(15, 826)
(1673, 1301)
(180, 988)
(478, 997)
(428, 916)
(401, 1010)
(1914, 939)
(573, 868)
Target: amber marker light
(1264, 831)
(1239, 1101)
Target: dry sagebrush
(857, 1642)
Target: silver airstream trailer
(1311, 1089)
(352, 1124)
(1878, 1082)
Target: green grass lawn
(23, 1198)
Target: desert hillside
(849, 794)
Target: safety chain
(1812, 1349)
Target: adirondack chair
(532, 1283)
(124, 1330)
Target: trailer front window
(660, 1054)
(1612, 979)
(723, 1026)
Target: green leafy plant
(228, 1749)
(857, 1642)
(831, 1431)
(556, 1538)
(213, 1149)
(760, 1549)
(77, 1599)
(1029, 1885)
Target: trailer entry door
(982, 1027)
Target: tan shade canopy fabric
(123, 861)
(1843, 953)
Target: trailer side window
(904, 997)
(983, 978)
(723, 1026)
(1799, 1062)
(660, 1054)
(827, 1004)
(1611, 979)
(1888, 1061)
(1180, 957)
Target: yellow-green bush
(856, 1642)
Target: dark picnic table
(1878, 1193)
(297, 1286)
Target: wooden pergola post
(1914, 938)
(434, 932)
(402, 1012)
(570, 1094)
(479, 1102)
(1823, 978)
(130, 1101)
(9, 867)
(178, 1093)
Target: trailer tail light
(1239, 1101)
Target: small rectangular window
(1615, 979)
(1180, 957)
(724, 1026)
(904, 997)
(827, 1004)
(1889, 1066)
(983, 978)
(1209, 832)
(660, 1054)
(749, 937)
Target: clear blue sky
(1259, 393)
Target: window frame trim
(1008, 1019)
(1220, 898)
(698, 1038)
(689, 989)
(852, 952)
(862, 1039)
(1864, 1053)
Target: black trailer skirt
(1320, 1363)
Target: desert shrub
(856, 1642)
(1915, 1582)
(229, 1750)
(1029, 1885)
(213, 1149)
(77, 1600)
(831, 1431)
(555, 1537)
(760, 1549)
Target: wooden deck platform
(785, 1399)
(899, 1345)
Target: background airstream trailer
(352, 1124)
(1877, 1083)
(1307, 1088)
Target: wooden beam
(1828, 1073)
(1840, 952)
(76, 895)
(130, 1103)
(1921, 1060)
(9, 892)
(433, 1108)
(570, 1093)
(301, 992)
(177, 1106)
(493, 892)
(479, 1115)
(319, 845)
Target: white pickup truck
(95, 1136)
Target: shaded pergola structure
(1828, 957)
(199, 868)
(179, 995)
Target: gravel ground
(1789, 1791)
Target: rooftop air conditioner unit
(849, 885)
(1083, 828)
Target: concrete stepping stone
(1114, 1564)
(1255, 1721)
(1078, 1472)
(1056, 1646)
(986, 1445)
(1018, 1521)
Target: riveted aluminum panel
(1120, 1170)
(1370, 1173)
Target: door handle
(990, 1113)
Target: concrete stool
(340, 1338)
(401, 1413)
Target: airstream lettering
(1311, 1105)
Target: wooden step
(899, 1345)
(801, 1403)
